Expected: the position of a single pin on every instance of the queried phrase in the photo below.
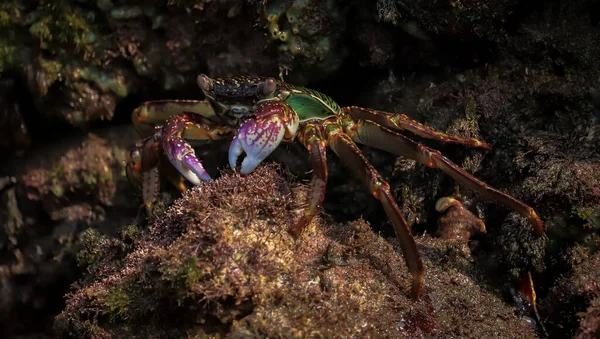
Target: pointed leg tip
(297, 229)
(484, 145)
(148, 209)
(538, 226)
(417, 287)
(536, 222)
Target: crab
(260, 113)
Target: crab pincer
(272, 122)
(180, 152)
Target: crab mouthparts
(239, 111)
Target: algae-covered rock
(589, 326)
(79, 60)
(310, 36)
(87, 179)
(220, 263)
(527, 86)
(572, 301)
(60, 190)
(520, 75)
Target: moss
(90, 240)
(584, 213)
(7, 51)
(589, 325)
(10, 16)
(587, 234)
(190, 274)
(107, 82)
(81, 184)
(129, 233)
(122, 303)
(94, 170)
(566, 303)
(424, 107)
(63, 23)
(467, 126)
(5, 19)
(51, 68)
(306, 30)
(41, 29)
(58, 190)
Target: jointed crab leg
(351, 155)
(372, 134)
(158, 111)
(312, 137)
(402, 122)
(144, 160)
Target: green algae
(64, 24)
(108, 82)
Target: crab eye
(269, 86)
(204, 82)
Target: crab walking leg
(150, 188)
(157, 112)
(144, 160)
(402, 122)
(351, 155)
(312, 137)
(372, 134)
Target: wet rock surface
(520, 75)
(59, 190)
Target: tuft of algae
(220, 263)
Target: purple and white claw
(257, 142)
(259, 137)
(182, 156)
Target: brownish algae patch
(219, 263)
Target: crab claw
(182, 156)
(180, 152)
(274, 121)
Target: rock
(220, 260)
